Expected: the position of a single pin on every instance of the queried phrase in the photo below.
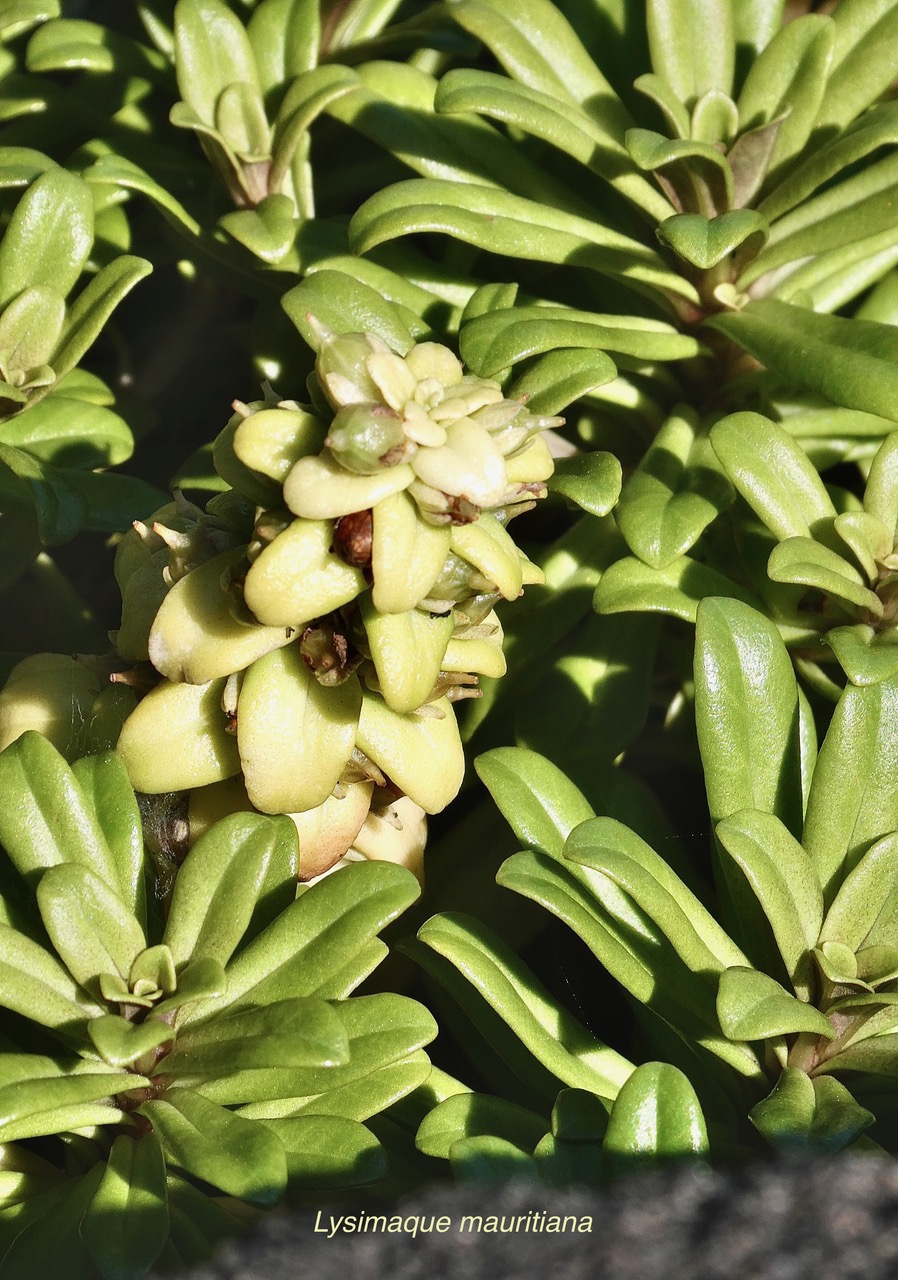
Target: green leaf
(678, 589)
(345, 305)
(49, 236)
(773, 474)
(704, 242)
(864, 911)
(864, 58)
(268, 231)
(325, 1152)
(34, 984)
(747, 714)
(30, 327)
(591, 480)
(549, 117)
(853, 363)
(536, 44)
(804, 562)
(691, 45)
(788, 78)
(781, 876)
(120, 1042)
(675, 492)
(467, 1115)
(284, 35)
(556, 379)
(126, 1224)
(752, 1006)
(804, 1114)
(35, 1107)
(543, 1027)
(55, 1234)
(90, 311)
(45, 818)
(865, 655)
(656, 1116)
(499, 339)
(383, 1030)
(874, 129)
(511, 225)
(104, 783)
(70, 433)
(755, 23)
(606, 845)
(89, 925)
(221, 882)
(539, 802)
(241, 1157)
(71, 44)
(854, 797)
(212, 51)
(286, 1033)
(697, 175)
(356, 1099)
(19, 16)
(333, 922)
(487, 1161)
(118, 172)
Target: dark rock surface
(787, 1221)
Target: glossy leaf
(747, 714)
(89, 925)
(704, 242)
(675, 492)
(805, 1114)
(126, 1224)
(678, 588)
(853, 799)
(34, 984)
(752, 1006)
(474, 1114)
(45, 818)
(864, 911)
(120, 1043)
(104, 784)
(345, 305)
(384, 1030)
(513, 226)
(499, 339)
(789, 78)
(240, 1157)
(333, 921)
(49, 236)
(34, 1107)
(656, 1116)
(781, 876)
(556, 379)
(539, 802)
(545, 1030)
(70, 433)
(212, 51)
(772, 473)
(220, 883)
(608, 846)
(283, 1033)
(75, 45)
(329, 1151)
(93, 307)
(591, 480)
(284, 35)
(804, 562)
(866, 41)
(850, 362)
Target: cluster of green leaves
(167, 1060)
(786, 1018)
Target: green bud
(407, 651)
(366, 437)
(342, 366)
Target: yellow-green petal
(486, 545)
(273, 440)
(422, 755)
(176, 738)
(407, 651)
(297, 577)
(320, 489)
(407, 554)
(196, 637)
(295, 735)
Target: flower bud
(367, 437)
